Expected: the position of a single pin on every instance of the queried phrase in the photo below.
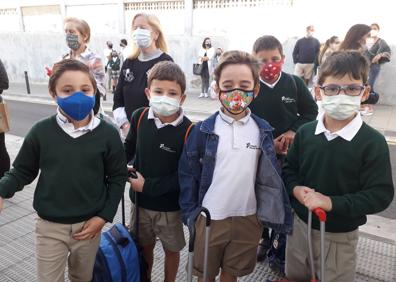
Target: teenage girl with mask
(78, 34)
(149, 48)
(82, 167)
(206, 55)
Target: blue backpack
(117, 259)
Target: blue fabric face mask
(77, 106)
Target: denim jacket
(197, 165)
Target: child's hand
(288, 136)
(90, 229)
(279, 144)
(315, 200)
(1, 203)
(300, 193)
(137, 183)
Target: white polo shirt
(232, 190)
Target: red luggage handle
(321, 214)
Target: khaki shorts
(340, 254)
(55, 247)
(233, 245)
(304, 70)
(167, 226)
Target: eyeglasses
(350, 89)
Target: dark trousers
(4, 157)
(205, 80)
(372, 77)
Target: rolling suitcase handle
(321, 214)
(191, 230)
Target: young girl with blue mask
(81, 165)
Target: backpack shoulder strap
(188, 132)
(141, 117)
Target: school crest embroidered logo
(165, 148)
(288, 100)
(251, 146)
(129, 76)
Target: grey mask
(72, 41)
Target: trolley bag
(191, 230)
(321, 214)
(117, 259)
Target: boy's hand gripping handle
(321, 214)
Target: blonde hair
(82, 27)
(154, 23)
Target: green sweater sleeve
(116, 176)
(25, 167)
(159, 186)
(306, 106)
(377, 191)
(291, 167)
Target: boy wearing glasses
(340, 164)
(286, 103)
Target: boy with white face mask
(156, 138)
(340, 164)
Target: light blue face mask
(77, 106)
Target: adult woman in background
(149, 48)
(78, 34)
(355, 39)
(378, 53)
(205, 58)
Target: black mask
(208, 45)
(110, 46)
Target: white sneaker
(206, 95)
(201, 95)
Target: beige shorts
(304, 70)
(233, 245)
(340, 254)
(55, 247)
(167, 226)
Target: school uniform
(352, 167)
(157, 148)
(228, 166)
(82, 174)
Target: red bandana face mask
(271, 70)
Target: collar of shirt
(347, 132)
(273, 84)
(231, 120)
(65, 124)
(159, 123)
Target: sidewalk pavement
(376, 248)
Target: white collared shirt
(159, 123)
(68, 127)
(273, 84)
(347, 132)
(231, 192)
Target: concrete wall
(31, 52)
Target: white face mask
(142, 37)
(164, 105)
(341, 107)
(374, 33)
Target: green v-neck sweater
(78, 177)
(355, 174)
